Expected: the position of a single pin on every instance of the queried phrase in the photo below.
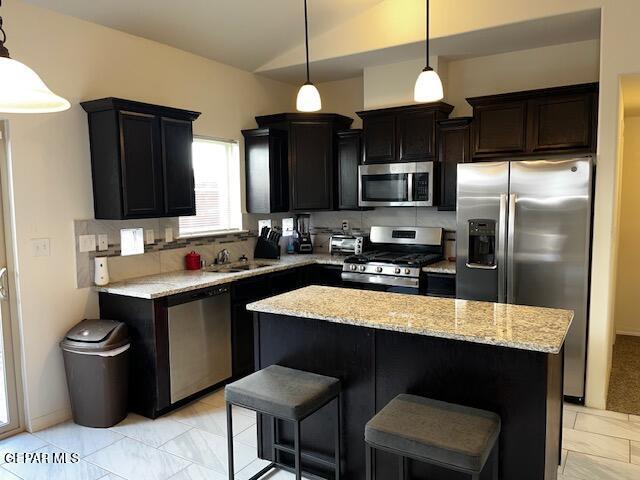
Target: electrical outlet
(103, 242)
(40, 247)
(345, 225)
(168, 234)
(150, 237)
(87, 243)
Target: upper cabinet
(312, 157)
(560, 120)
(402, 134)
(266, 170)
(140, 159)
(349, 157)
(455, 148)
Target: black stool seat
(289, 395)
(283, 392)
(435, 432)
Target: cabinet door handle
(4, 289)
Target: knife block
(266, 249)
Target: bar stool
(290, 395)
(451, 436)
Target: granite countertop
(515, 326)
(443, 266)
(171, 283)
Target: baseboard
(48, 420)
(631, 333)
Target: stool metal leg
(402, 474)
(230, 441)
(274, 439)
(496, 460)
(337, 445)
(370, 472)
(297, 449)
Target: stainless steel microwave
(396, 185)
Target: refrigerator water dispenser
(482, 243)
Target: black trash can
(96, 359)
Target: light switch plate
(87, 243)
(149, 237)
(103, 242)
(40, 247)
(131, 241)
(168, 234)
(287, 227)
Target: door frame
(8, 207)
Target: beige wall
(627, 318)
(572, 63)
(345, 97)
(51, 168)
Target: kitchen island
(503, 358)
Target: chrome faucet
(223, 256)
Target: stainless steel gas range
(394, 262)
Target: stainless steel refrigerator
(524, 237)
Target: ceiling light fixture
(308, 96)
(21, 89)
(428, 85)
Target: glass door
(9, 417)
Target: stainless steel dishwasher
(199, 341)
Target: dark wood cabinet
(266, 170)
(179, 188)
(402, 134)
(455, 147)
(561, 120)
(312, 157)
(140, 159)
(349, 157)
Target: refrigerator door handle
(501, 248)
(511, 228)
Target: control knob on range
(354, 267)
(397, 270)
(362, 268)
(407, 271)
(379, 269)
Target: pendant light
(428, 85)
(308, 96)
(21, 89)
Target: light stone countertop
(514, 326)
(443, 266)
(171, 283)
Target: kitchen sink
(234, 268)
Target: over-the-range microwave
(396, 185)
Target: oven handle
(410, 186)
(387, 280)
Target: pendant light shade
(308, 96)
(21, 89)
(428, 86)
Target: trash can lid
(96, 335)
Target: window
(216, 168)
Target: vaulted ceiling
(267, 36)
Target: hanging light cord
(306, 38)
(427, 42)
(3, 50)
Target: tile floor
(190, 444)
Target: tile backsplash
(324, 224)
(159, 257)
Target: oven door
(396, 185)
